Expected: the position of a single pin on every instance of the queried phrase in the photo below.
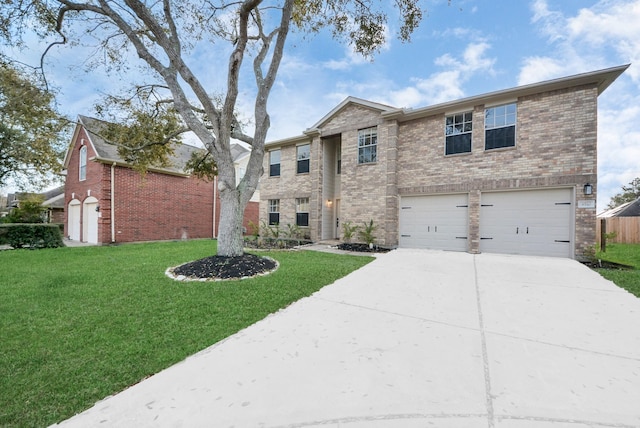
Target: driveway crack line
(382, 311)
(485, 356)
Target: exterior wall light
(329, 203)
(588, 189)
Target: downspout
(113, 211)
(215, 194)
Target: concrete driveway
(416, 338)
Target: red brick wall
(251, 214)
(154, 207)
(161, 207)
(92, 186)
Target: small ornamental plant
(367, 233)
(348, 230)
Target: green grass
(627, 254)
(79, 324)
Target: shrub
(293, 231)
(29, 211)
(31, 235)
(366, 233)
(254, 229)
(348, 230)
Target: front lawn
(627, 254)
(79, 324)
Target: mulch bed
(362, 248)
(220, 267)
(601, 264)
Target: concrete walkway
(416, 338)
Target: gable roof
(54, 198)
(628, 209)
(347, 102)
(108, 153)
(238, 152)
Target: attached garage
(531, 222)
(74, 220)
(438, 222)
(90, 220)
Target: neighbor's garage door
(435, 222)
(532, 222)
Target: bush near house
(31, 236)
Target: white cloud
(536, 69)
(610, 27)
(594, 37)
(604, 35)
(448, 84)
(618, 146)
(549, 21)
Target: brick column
(473, 237)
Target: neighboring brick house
(512, 171)
(107, 201)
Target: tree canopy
(250, 34)
(31, 130)
(629, 193)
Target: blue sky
(463, 49)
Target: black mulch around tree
(363, 248)
(219, 267)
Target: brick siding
(152, 207)
(556, 143)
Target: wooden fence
(627, 230)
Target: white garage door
(435, 222)
(532, 222)
(73, 225)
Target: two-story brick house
(512, 171)
(108, 202)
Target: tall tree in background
(163, 33)
(630, 193)
(31, 130)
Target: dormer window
(83, 163)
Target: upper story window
(500, 126)
(304, 154)
(274, 163)
(274, 211)
(339, 159)
(302, 212)
(367, 145)
(83, 163)
(458, 129)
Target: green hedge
(19, 235)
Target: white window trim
(368, 145)
(82, 164)
(462, 112)
(515, 125)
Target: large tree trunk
(230, 241)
